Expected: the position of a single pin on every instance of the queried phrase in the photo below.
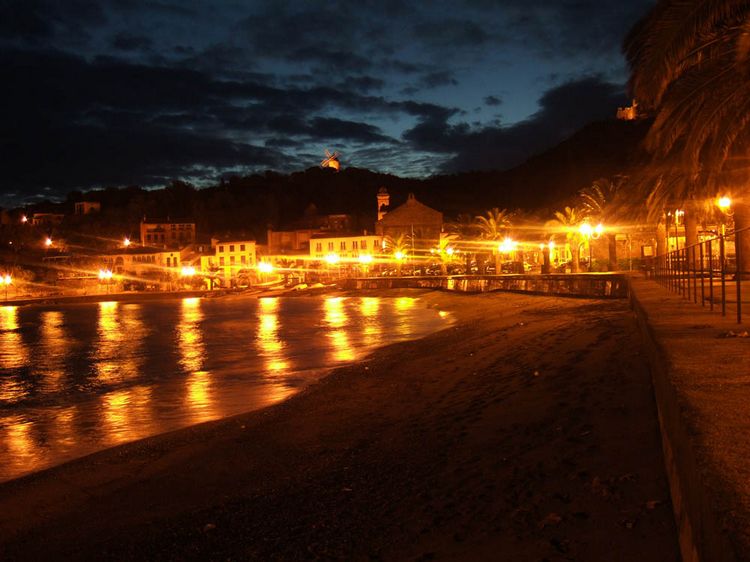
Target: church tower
(383, 201)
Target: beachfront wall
(598, 285)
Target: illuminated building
(235, 260)
(87, 207)
(413, 220)
(167, 233)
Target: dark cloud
(564, 110)
(438, 78)
(452, 33)
(123, 91)
(127, 42)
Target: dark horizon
(139, 93)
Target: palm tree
(465, 229)
(494, 226)
(398, 246)
(445, 251)
(598, 203)
(689, 63)
(568, 220)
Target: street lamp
(5, 281)
(724, 204)
(590, 233)
(365, 260)
(48, 242)
(126, 242)
(105, 276)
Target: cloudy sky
(116, 92)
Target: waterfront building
(87, 207)
(415, 221)
(345, 247)
(167, 233)
(235, 260)
(47, 219)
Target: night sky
(118, 92)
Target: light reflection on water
(81, 378)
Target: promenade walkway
(701, 373)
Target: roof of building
(323, 235)
(412, 212)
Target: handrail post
(711, 275)
(703, 283)
(723, 276)
(738, 273)
(695, 275)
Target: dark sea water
(75, 379)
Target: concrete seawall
(594, 285)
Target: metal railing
(708, 272)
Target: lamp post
(5, 281)
(590, 233)
(187, 272)
(264, 268)
(105, 276)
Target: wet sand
(526, 431)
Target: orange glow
(724, 203)
(13, 352)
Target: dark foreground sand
(527, 431)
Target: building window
(243, 259)
(231, 247)
(221, 249)
(221, 261)
(363, 244)
(318, 246)
(242, 247)
(231, 260)
(342, 246)
(168, 264)
(330, 246)
(354, 245)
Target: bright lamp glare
(265, 267)
(332, 258)
(365, 258)
(724, 203)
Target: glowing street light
(332, 259)
(265, 267)
(365, 258)
(48, 242)
(449, 250)
(24, 219)
(105, 276)
(5, 281)
(399, 255)
(126, 242)
(507, 245)
(590, 233)
(187, 271)
(724, 203)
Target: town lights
(449, 251)
(5, 281)
(126, 242)
(365, 258)
(332, 259)
(24, 219)
(105, 274)
(590, 232)
(187, 271)
(399, 255)
(507, 245)
(724, 204)
(48, 242)
(265, 267)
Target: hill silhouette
(252, 203)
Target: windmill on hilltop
(331, 161)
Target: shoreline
(342, 438)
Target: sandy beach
(526, 431)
